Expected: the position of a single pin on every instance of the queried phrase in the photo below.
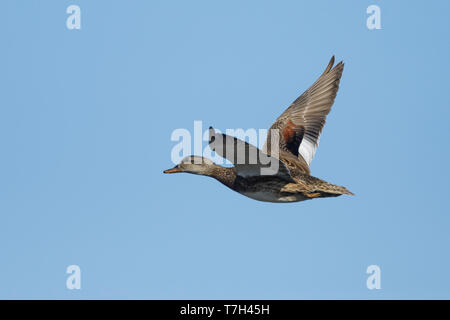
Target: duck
(279, 172)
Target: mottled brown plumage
(280, 171)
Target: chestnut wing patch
(293, 136)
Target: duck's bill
(173, 170)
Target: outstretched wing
(247, 159)
(301, 124)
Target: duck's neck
(225, 175)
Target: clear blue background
(85, 123)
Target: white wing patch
(307, 150)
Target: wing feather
(306, 116)
(247, 159)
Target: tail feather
(334, 189)
(331, 190)
(321, 188)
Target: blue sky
(85, 123)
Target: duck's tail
(334, 190)
(323, 189)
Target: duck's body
(262, 188)
(268, 190)
(280, 173)
(275, 188)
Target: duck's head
(193, 164)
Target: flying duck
(280, 171)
